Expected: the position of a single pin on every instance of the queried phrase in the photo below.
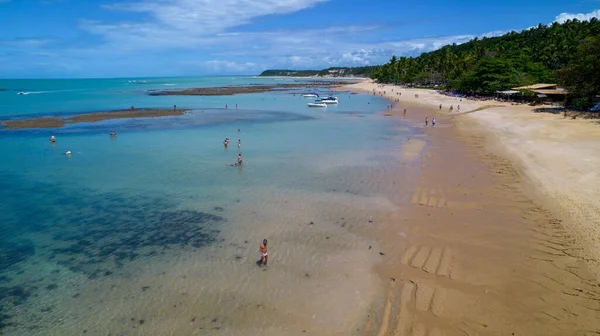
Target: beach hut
(547, 93)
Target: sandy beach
(499, 234)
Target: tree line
(364, 71)
(566, 54)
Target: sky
(138, 38)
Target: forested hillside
(329, 72)
(566, 53)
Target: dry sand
(472, 250)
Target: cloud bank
(563, 17)
(194, 37)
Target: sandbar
(233, 90)
(61, 121)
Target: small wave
(32, 92)
(49, 91)
(169, 84)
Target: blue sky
(112, 38)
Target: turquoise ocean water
(80, 234)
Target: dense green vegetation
(566, 53)
(329, 72)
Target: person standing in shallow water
(263, 253)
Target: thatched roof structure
(552, 92)
(537, 87)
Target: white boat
(329, 100)
(310, 95)
(21, 92)
(317, 105)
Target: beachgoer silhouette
(264, 258)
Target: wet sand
(233, 90)
(473, 248)
(59, 121)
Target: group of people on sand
(432, 121)
(451, 108)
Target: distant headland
(364, 71)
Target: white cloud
(209, 16)
(563, 17)
(228, 66)
(213, 31)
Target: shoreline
(473, 249)
(62, 121)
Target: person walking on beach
(404, 112)
(239, 159)
(440, 106)
(432, 122)
(264, 258)
(426, 121)
(174, 108)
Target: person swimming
(239, 143)
(113, 134)
(52, 139)
(226, 142)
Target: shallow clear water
(124, 226)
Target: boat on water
(21, 92)
(310, 95)
(329, 100)
(317, 105)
